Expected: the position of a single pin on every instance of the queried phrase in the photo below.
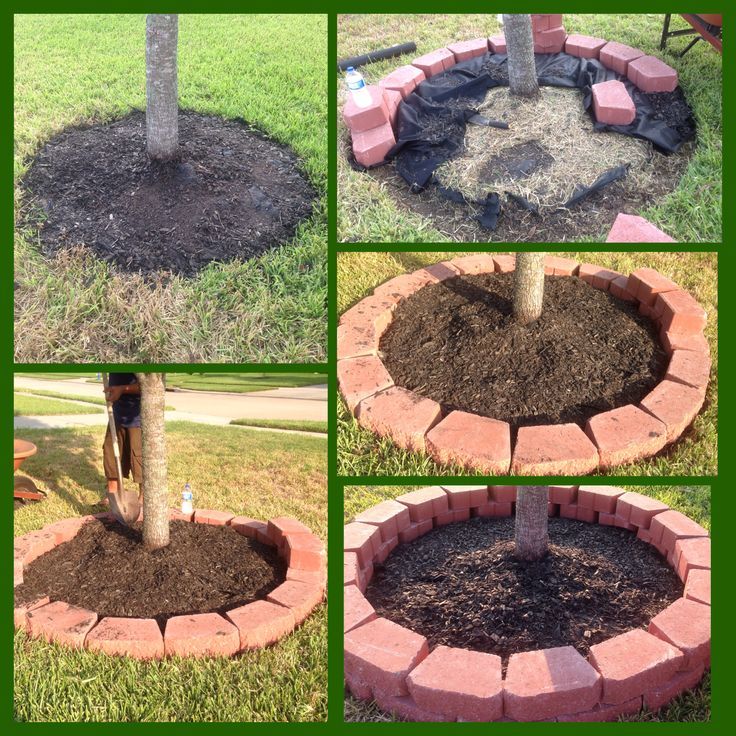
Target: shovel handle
(113, 432)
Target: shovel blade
(125, 507)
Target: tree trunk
(162, 104)
(520, 49)
(531, 533)
(155, 491)
(528, 287)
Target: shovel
(124, 505)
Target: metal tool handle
(113, 432)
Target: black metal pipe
(379, 55)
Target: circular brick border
(251, 626)
(392, 665)
(482, 444)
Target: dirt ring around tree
(432, 392)
(645, 666)
(268, 607)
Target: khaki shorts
(129, 439)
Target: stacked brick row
(251, 626)
(393, 666)
(483, 444)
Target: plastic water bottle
(356, 85)
(187, 505)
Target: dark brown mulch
(461, 586)
(106, 569)
(456, 342)
(234, 194)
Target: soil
(517, 162)
(233, 194)
(460, 585)
(106, 569)
(457, 342)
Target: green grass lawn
(98, 401)
(303, 425)
(367, 210)
(695, 453)
(243, 382)
(694, 501)
(72, 69)
(258, 474)
(24, 406)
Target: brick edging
(252, 626)
(393, 666)
(482, 444)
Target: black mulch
(234, 194)
(457, 342)
(460, 585)
(106, 569)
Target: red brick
(502, 494)
(599, 498)
(425, 503)
(405, 708)
(548, 683)
(61, 623)
(569, 510)
(585, 47)
(553, 449)
(371, 147)
(301, 598)
(474, 495)
(481, 263)
(621, 523)
(355, 340)
(597, 276)
(313, 577)
(448, 517)
(691, 554)
(669, 526)
(497, 43)
(659, 696)
(475, 442)
(434, 62)
(357, 609)
(32, 545)
(635, 229)
(252, 529)
(382, 653)
(545, 21)
(305, 552)
(612, 104)
(563, 494)
(261, 623)
(644, 534)
(20, 611)
(359, 689)
(360, 378)
(504, 263)
(412, 532)
(607, 519)
(281, 526)
(351, 570)
(200, 635)
(402, 287)
(210, 516)
(617, 56)
(681, 313)
(177, 515)
(672, 341)
(550, 41)
(385, 549)
(625, 434)
(558, 266)
(461, 684)
(439, 272)
(583, 513)
(375, 310)
(492, 509)
(638, 509)
(604, 712)
(404, 80)
(464, 50)
(461, 514)
(360, 119)
(393, 100)
(697, 586)
(633, 663)
(674, 404)
(686, 625)
(17, 572)
(131, 637)
(391, 517)
(646, 283)
(363, 539)
(67, 529)
(401, 415)
(690, 368)
(553, 509)
(619, 288)
(651, 74)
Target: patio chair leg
(690, 45)
(665, 31)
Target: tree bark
(162, 103)
(528, 287)
(531, 530)
(520, 50)
(155, 490)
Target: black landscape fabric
(433, 119)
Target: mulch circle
(106, 569)
(234, 194)
(456, 342)
(461, 586)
